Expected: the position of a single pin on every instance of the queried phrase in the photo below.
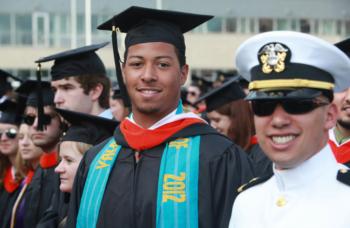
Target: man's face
(342, 101)
(153, 79)
(8, 139)
(193, 93)
(70, 95)
(48, 138)
(289, 139)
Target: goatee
(344, 124)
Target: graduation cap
(227, 92)
(344, 45)
(28, 89)
(87, 128)
(144, 25)
(76, 62)
(223, 76)
(4, 84)
(38, 94)
(291, 65)
(10, 112)
(202, 83)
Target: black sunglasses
(29, 119)
(11, 133)
(294, 107)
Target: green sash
(177, 196)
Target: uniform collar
(305, 172)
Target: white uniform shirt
(308, 196)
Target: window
(282, 24)
(305, 26)
(242, 25)
(215, 25)
(339, 27)
(265, 24)
(327, 27)
(231, 25)
(24, 29)
(347, 28)
(316, 27)
(294, 25)
(252, 24)
(5, 29)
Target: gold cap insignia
(273, 56)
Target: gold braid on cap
(287, 83)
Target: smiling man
(163, 167)
(292, 77)
(339, 136)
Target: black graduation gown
(7, 200)
(39, 195)
(131, 192)
(56, 214)
(263, 165)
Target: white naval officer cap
(291, 61)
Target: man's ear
(184, 73)
(96, 92)
(331, 116)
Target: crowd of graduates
(46, 127)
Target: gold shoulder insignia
(344, 176)
(253, 182)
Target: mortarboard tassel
(123, 91)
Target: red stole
(48, 160)
(10, 184)
(29, 176)
(342, 152)
(253, 140)
(139, 138)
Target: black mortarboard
(75, 62)
(144, 25)
(87, 128)
(202, 83)
(28, 89)
(4, 84)
(223, 76)
(227, 92)
(344, 45)
(10, 112)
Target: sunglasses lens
(29, 120)
(294, 107)
(47, 119)
(298, 107)
(263, 108)
(10, 133)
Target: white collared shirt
(308, 196)
(171, 117)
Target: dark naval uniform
(130, 196)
